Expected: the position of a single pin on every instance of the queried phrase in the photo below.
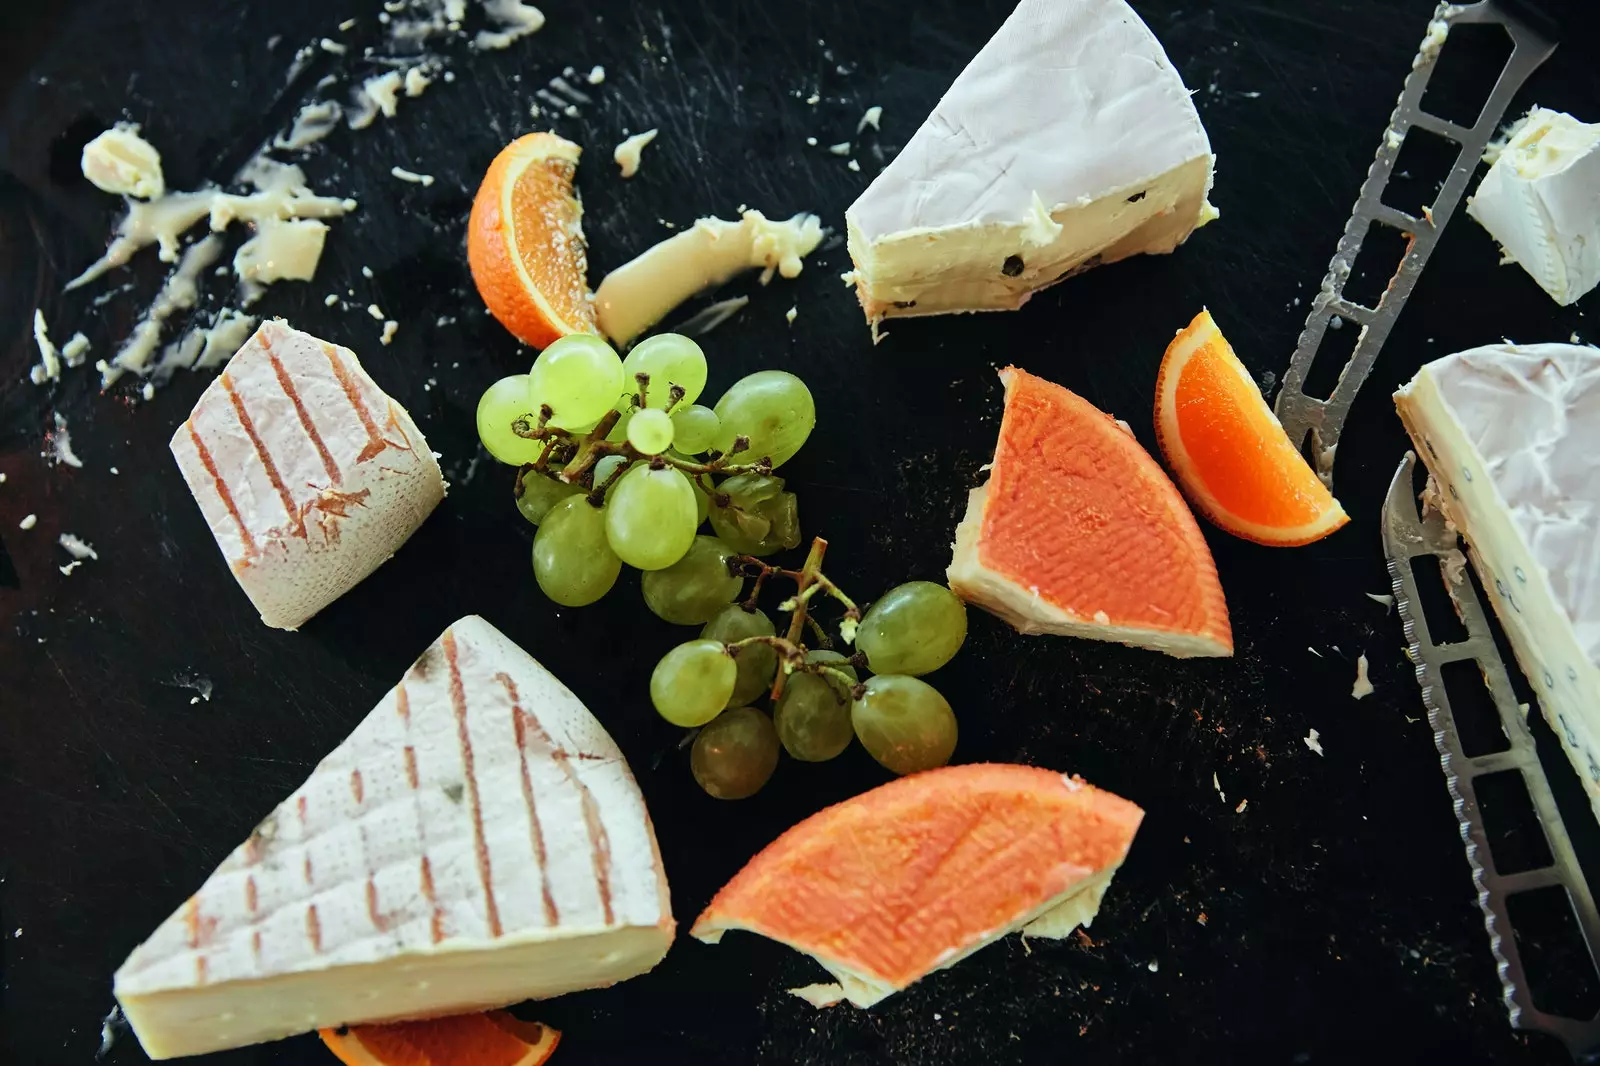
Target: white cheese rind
(1072, 105)
(1541, 202)
(308, 474)
(1510, 433)
(476, 841)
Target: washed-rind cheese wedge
(1068, 141)
(478, 840)
(307, 473)
(1511, 434)
(1080, 533)
(913, 877)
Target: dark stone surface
(1332, 919)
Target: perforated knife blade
(1408, 535)
(1314, 423)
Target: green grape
(904, 723)
(813, 717)
(605, 466)
(695, 588)
(690, 684)
(619, 432)
(914, 629)
(500, 405)
(694, 427)
(650, 517)
(650, 431)
(736, 754)
(571, 560)
(771, 407)
(670, 359)
(760, 517)
(579, 377)
(540, 493)
(758, 663)
(832, 659)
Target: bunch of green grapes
(718, 681)
(621, 465)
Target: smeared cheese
(312, 122)
(870, 118)
(515, 21)
(412, 176)
(60, 440)
(1541, 202)
(379, 94)
(1363, 685)
(627, 153)
(49, 368)
(120, 161)
(178, 293)
(642, 291)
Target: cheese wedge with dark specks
(478, 840)
(914, 876)
(308, 474)
(1080, 533)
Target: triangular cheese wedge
(914, 876)
(1068, 141)
(1080, 533)
(478, 840)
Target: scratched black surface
(1331, 918)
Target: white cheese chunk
(628, 152)
(638, 294)
(478, 840)
(281, 248)
(1071, 110)
(1510, 434)
(1541, 202)
(308, 474)
(121, 161)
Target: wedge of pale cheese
(1511, 433)
(478, 840)
(308, 474)
(1068, 141)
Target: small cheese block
(1510, 434)
(1068, 141)
(308, 474)
(1080, 533)
(478, 840)
(1541, 201)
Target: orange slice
(492, 1039)
(525, 241)
(1229, 452)
(912, 877)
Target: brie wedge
(1541, 202)
(308, 474)
(478, 840)
(1068, 141)
(1510, 434)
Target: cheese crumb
(346, 25)
(75, 349)
(390, 328)
(375, 311)
(417, 80)
(813, 99)
(366, 272)
(853, 165)
(1313, 740)
(49, 368)
(811, 142)
(332, 46)
(597, 75)
(842, 148)
(791, 314)
(1223, 796)
(1387, 601)
(29, 522)
(871, 118)
(77, 547)
(1242, 805)
(121, 161)
(628, 152)
(61, 444)
(330, 300)
(1362, 687)
(412, 176)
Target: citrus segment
(492, 1039)
(525, 241)
(1229, 452)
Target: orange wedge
(492, 1039)
(916, 875)
(525, 241)
(1229, 452)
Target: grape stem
(809, 581)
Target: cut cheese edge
(915, 876)
(1509, 433)
(1080, 533)
(308, 474)
(1068, 141)
(478, 840)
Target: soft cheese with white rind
(1069, 140)
(1510, 433)
(1541, 202)
(476, 841)
(308, 474)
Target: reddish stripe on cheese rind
(436, 926)
(891, 881)
(357, 789)
(1080, 513)
(251, 896)
(287, 384)
(374, 914)
(480, 846)
(222, 489)
(314, 928)
(263, 454)
(411, 766)
(535, 831)
(375, 443)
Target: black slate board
(1332, 918)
